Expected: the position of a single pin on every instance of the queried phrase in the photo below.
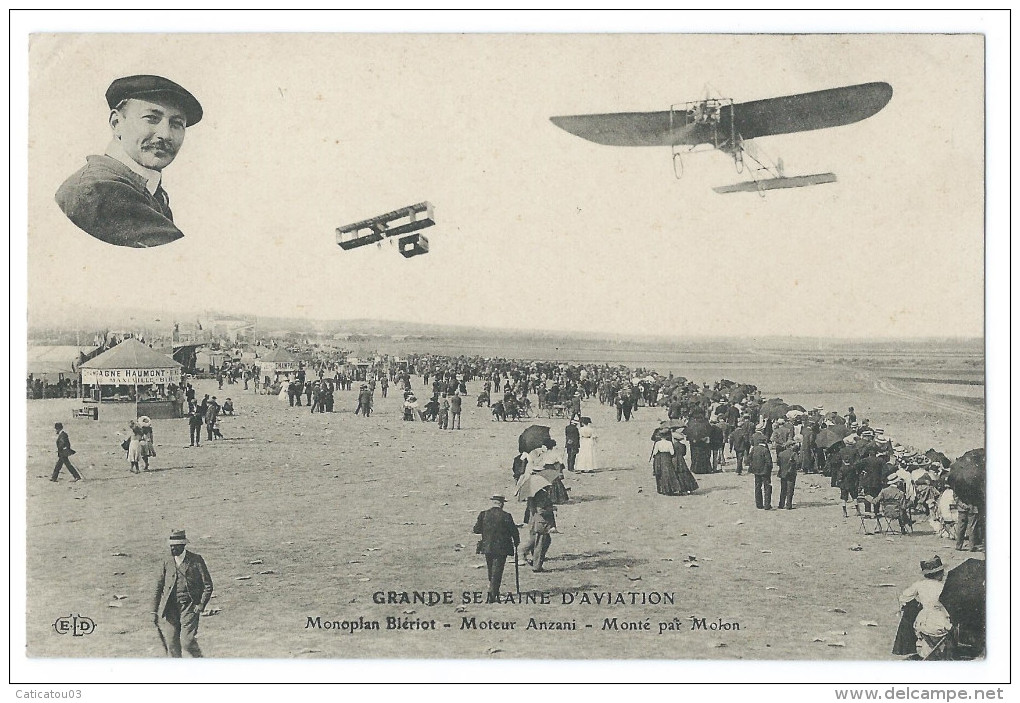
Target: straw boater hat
(498, 499)
(144, 421)
(930, 567)
(892, 479)
(178, 537)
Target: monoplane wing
(625, 128)
(808, 111)
(759, 118)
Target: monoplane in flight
(729, 127)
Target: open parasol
(698, 429)
(967, 477)
(830, 436)
(534, 437)
(964, 597)
(775, 410)
(938, 457)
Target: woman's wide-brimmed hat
(144, 421)
(932, 566)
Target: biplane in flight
(405, 224)
(729, 127)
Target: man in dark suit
(183, 590)
(740, 443)
(759, 463)
(788, 463)
(64, 453)
(573, 443)
(118, 197)
(500, 538)
(195, 420)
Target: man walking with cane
(500, 538)
(183, 590)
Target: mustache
(160, 145)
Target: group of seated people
(510, 408)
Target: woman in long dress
(557, 491)
(134, 450)
(688, 484)
(663, 467)
(148, 448)
(697, 433)
(585, 462)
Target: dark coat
(787, 463)
(573, 436)
(64, 445)
(759, 460)
(109, 201)
(740, 441)
(500, 535)
(872, 474)
(196, 574)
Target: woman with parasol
(134, 446)
(148, 448)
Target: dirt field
(338, 507)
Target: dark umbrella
(534, 437)
(830, 436)
(798, 407)
(775, 410)
(967, 478)
(939, 457)
(963, 594)
(698, 429)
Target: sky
(535, 228)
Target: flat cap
(153, 87)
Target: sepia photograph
(505, 348)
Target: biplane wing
(833, 107)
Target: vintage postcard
(505, 347)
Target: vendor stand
(133, 373)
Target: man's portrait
(118, 196)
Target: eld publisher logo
(75, 625)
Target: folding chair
(862, 504)
(947, 523)
(892, 525)
(942, 649)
